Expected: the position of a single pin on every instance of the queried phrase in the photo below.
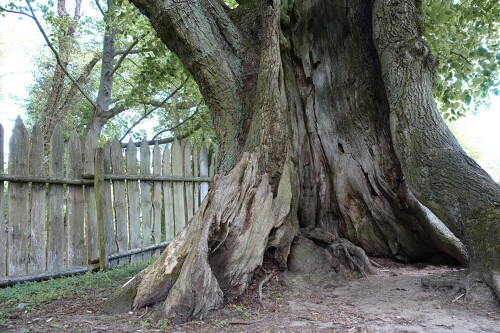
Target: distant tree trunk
(302, 110)
(101, 113)
(59, 99)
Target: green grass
(31, 295)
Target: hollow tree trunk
(302, 118)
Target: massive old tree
(329, 138)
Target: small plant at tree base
(242, 311)
(164, 325)
(220, 323)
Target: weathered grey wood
(196, 186)
(158, 178)
(204, 160)
(146, 203)
(45, 180)
(45, 276)
(100, 205)
(37, 259)
(157, 198)
(133, 201)
(109, 228)
(18, 205)
(177, 170)
(56, 236)
(120, 202)
(168, 199)
(3, 229)
(75, 212)
(133, 251)
(86, 181)
(188, 172)
(211, 170)
(91, 212)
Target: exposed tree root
(355, 256)
(261, 285)
(493, 280)
(344, 253)
(453, 282)
(467, 285)
(212, 260)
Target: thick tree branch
(136, 51)
(153, 109)
(211, 47)
(177, 126)
(98, 4)
(78, 7)
(124, 55)
(70, 96)
(166, 140)
(3, 9)
(58, 58)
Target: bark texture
(437, 169)
(306, 149)
(213, 258)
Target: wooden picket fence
(81, 206)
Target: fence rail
(57, 213)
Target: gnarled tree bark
(437, 169)
(307, 148)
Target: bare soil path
(392, 301)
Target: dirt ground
(394, 300)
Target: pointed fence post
(146, 203)
(109, 228)
(196, 185)
(56, 235)
(100, 206)
(3, 230)
(157, 198)
(18, 205)
(91, 216)
(75, 212)
(188, 186)
(204, 161)
(168, 199)
(120, 201)
(179, 204)
(133, 202)
(38, 215)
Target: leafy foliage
(465, 36)
(146, 73)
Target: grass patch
(31, 295)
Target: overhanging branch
(166, 140)
(179, 125)
(56, 54)
(125, 54)
(3, 9)
(153, 109)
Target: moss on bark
(483, 234)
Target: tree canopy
(146, 77)
(465, 37)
